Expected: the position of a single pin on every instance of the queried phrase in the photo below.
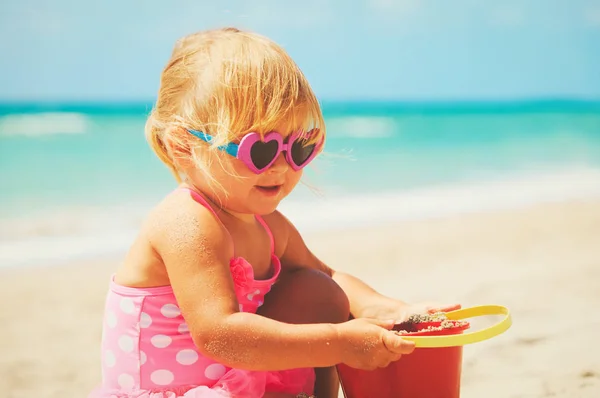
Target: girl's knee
(306, 296)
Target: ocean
(76, 180)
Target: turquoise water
(105, 159)
(58, 158)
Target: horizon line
(328, 105)
(102, 101)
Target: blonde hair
(226, 83)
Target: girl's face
(242, 190)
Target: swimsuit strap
(266, 227)
(200, 199)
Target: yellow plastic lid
(469, 337)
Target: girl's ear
(177, 145)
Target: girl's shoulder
(173, 230)
(180, 216)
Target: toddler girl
(219, 296)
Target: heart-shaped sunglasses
(259, 154)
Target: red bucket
(433, 369)
(425, 373)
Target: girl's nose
(280, 165)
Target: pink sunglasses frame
(242, 151)
(248, 141)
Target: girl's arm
(364, 300)
(196, 250)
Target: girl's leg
(309, 296)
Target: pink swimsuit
(147, 350)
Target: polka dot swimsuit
(148, 352)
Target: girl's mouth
(268, 190)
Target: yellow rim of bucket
(469, 337)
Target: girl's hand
(369, 344)
(430, 308)
(400, 311)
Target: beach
(460, 164)
(542, 261)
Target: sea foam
(42, 124)
(63, 236)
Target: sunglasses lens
(301, 152)
(262, 153)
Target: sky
(109, 50)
